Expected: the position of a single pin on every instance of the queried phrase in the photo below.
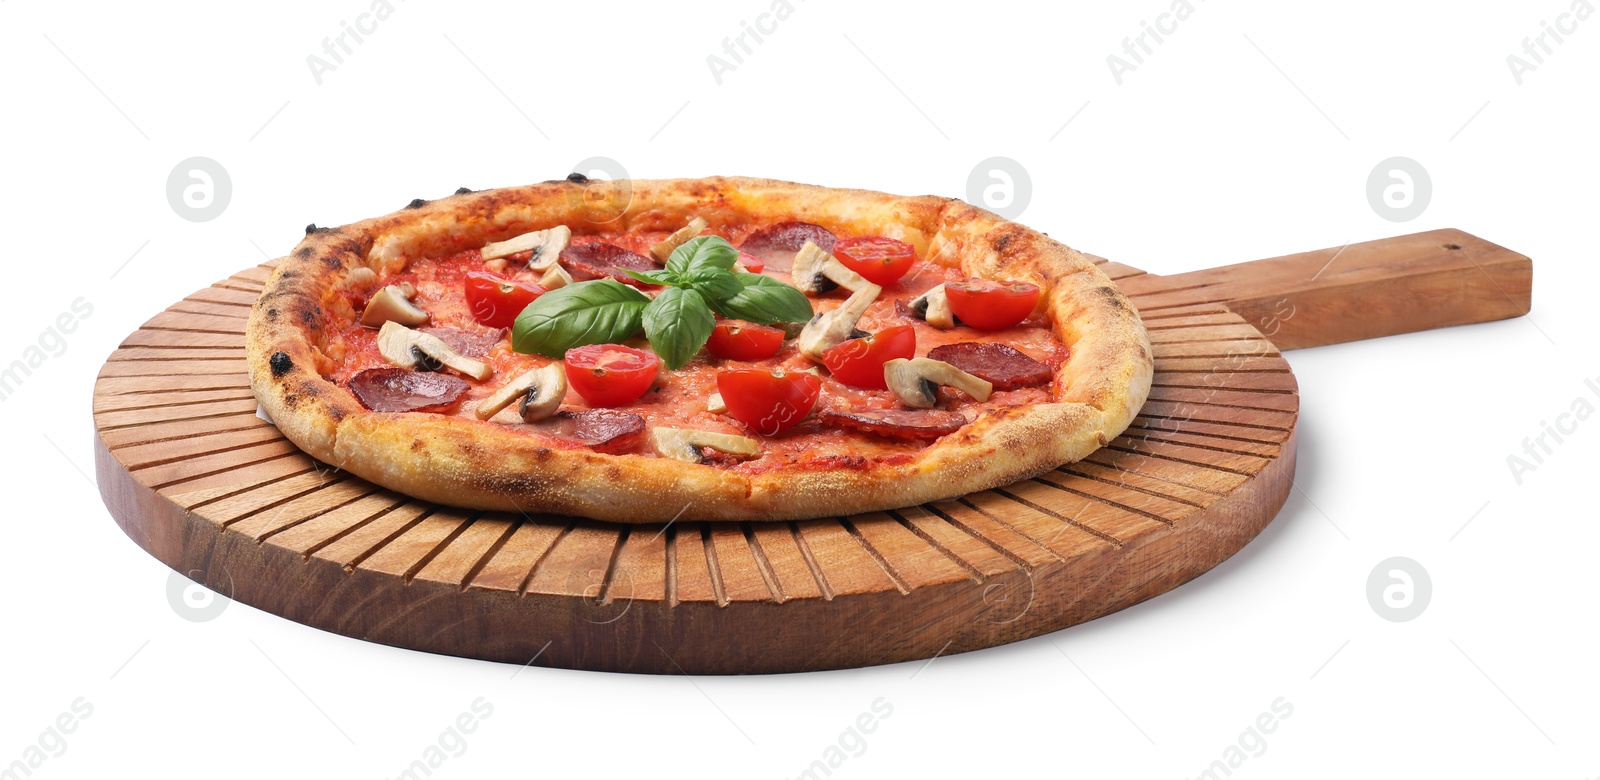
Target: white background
(1249, 133)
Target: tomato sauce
(678, 398)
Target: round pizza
(703, 349)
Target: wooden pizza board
(200, 482)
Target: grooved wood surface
(197, 479)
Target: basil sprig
(700, 280)
(603, 311)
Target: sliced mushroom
(393, 304)
(538, 394)
(835, 326)
(933, 307)
(916, 382)
(409, 348)
(685, 443)
(664, 250)
(715, 404)
(546, 245)
(816, 272)
(555, 276)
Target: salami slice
(775, 245)
(400, 390)
(998, 364)
(472, 343)
(599, 259)
(896, 423)
(603, 430)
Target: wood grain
(200, 482)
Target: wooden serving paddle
(207, 487)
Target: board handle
(1361, 291)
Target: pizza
(697, 349)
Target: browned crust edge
(480, 466)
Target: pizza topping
(763, 300)
(678, 321)
(393, 304)
(496, 301)
(684, 444)
(546, 246)
(399, 390)
(750, 263)
(999, 364)
(916, 382)
(776, 245)
(611, 374)
(833, 327)
(739, 340)
(817, 272)
(932, 307)
(715, 404)
(538, 394)
(602, 430)
(880, 259)
(902, 424)
(555, 276)
(593, 312)
(664, 250)
(768, 401)
(988, 305)
(859, 362)
(472, 343)
(599, 259)
(409, 348)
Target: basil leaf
(660, 276)
(603, 311)
(702, 252)
(765, 301)
(714, 283)
(678, 323)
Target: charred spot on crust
(272, 316)
(577, 178)
(303, 252)
(416, 203)
(463, 190)
(311, 316)
(518, 485)
(280, 362)
(336, 413)
(333, 263)
(417, 445)
(1009, 238)
(311, 228)
(286, 275)
(1113, 297)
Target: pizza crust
(476, 465)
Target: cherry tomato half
(987, 305)
(881, 260)
(751, 263)
(768, 401)
(740, 340)
(496, 301)
(859, 362)
(610, 374)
